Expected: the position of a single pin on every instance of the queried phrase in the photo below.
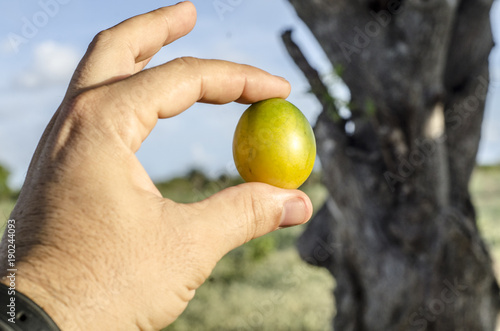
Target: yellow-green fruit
(274, 144)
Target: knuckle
(76, 129)
(255, 216)
(187, 62)
(193, 68)
(84, 104)
(102, 38)
(83, 113)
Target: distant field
(239, 295)
(264, 285)
(6, 207)
(485, 188)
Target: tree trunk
(398, 231)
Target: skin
(97, 246)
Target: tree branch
(318, 88)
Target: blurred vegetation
(264, 285)
(485, 189)
(7, 196)
(5, 191)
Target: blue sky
(56, 33)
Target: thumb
(238, 214)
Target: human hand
(98, 247)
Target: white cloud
(53, 64)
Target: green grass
(485, 188)
(6, 207)
(277, 292)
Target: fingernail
(294, 213)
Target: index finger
(168, 90)
(125, 49)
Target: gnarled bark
(398, 231)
